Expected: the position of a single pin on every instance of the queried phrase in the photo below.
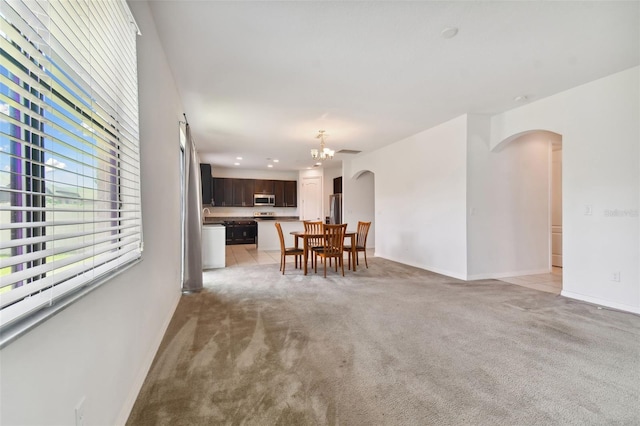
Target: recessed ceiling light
(269, 165)
(318, 164)
(236, 164)
(238, 158)
(449, 32)
(276, 161)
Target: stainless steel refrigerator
(335, 208)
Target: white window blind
(70, 211)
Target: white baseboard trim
(123, 416)
(427, 268)
(601, 302)
(498, 275)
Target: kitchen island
(213, 246)
(268, 235)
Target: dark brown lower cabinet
(241, 232)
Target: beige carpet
(389, 345)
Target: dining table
(306, 236)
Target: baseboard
(498, 275)
(601, 302)
(427, 268)
(123, 416)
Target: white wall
(420, 198)
(508, 203)
(599, 124)
(359, 204)
(101, 347)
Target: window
(70, 212)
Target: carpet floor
(388, 345)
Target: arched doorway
(552, 165)
(359, 202)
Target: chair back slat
(312, 227)
(363, 232)
(333, 242)
(279, 228)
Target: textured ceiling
(259, 79)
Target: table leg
(353, 251)
(296, 245)
(305, 249)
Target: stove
(264, 215)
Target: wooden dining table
(306, 236)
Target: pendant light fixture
(323, 153)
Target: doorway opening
(550, 281)
(360, 205)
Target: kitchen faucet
(206, 209)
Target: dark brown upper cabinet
(206, 184)
(243, 190)
(286, 192)
(264, 186)
(337, 185)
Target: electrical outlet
(80, 413)
(588, 210)
(615, 277)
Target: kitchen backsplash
(248, 211)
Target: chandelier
(323, 153)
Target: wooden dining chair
(287, 251)
(313, 227)
(332, 246)
(361, 243)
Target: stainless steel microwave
(264, 200)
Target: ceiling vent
(348, 151)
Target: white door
(312, 198)
(556, 208)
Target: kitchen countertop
(218, 220)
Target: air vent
(348, 151)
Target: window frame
(48, 113)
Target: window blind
(70, 210)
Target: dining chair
(332, 246)
(313, 227)
(287, 251)
(361, 243)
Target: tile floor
(551, 282)
(248, 254)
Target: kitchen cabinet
(206, 185)
(228, 192)
(241, 232)
(337, 185)
(286, 192)
(263, 186)
(242, 192)
(222, 192)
